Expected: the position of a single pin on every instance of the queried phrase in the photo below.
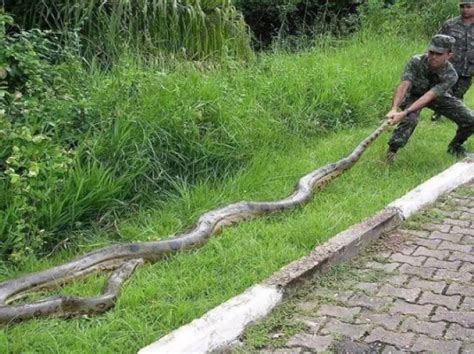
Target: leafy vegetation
(33, 166)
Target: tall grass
(191, 29)
(191, 123)
(407, 17)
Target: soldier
(426, 82)
(462, 29)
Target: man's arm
(405, 83)
(422, 102)
(398, 97)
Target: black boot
(455, 146)
(457, 150)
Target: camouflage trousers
(449, 106)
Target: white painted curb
(426, 193)
(225, 323)
(220, 325)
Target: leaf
(33, 170)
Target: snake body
(123, 259)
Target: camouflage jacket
(423, 79)
(463, 59)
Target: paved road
(413, 291)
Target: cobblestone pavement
(413, 291)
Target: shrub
(32, 164)
(282, 18)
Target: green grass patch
(464, 191)
(417, 221)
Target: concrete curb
(225, 323)
(426, 193)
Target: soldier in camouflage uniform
(426, 82)
(462, 29)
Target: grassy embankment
(291, 94)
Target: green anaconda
(122, 259)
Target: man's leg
(401, 135)
(459, 90)
(455, 110)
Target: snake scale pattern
(123, 259)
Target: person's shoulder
(418, 58)
(415, 63)
(450, 68)
(453, 21)
(449, 73)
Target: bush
(281, 18)
(33, 165)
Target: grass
(170, 293)
(417, 221)
(190, 29)
(464, 191)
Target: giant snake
(123, 259)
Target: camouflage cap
(441, 43)
(462, 2)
